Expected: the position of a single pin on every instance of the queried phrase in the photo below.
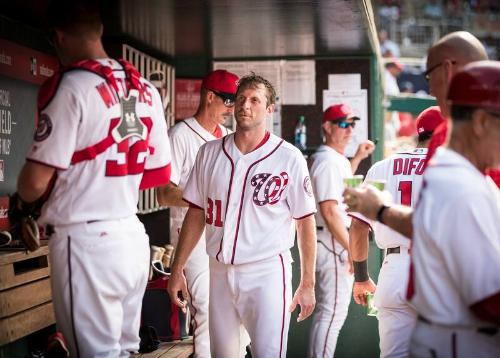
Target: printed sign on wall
(187, 97)
(22, 70)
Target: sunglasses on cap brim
(227, 98)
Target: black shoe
(149, 339)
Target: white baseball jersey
(80, 133)
(333, 280)
(456, 241)
(250, 200)
(106, 136)
(186, 138)
(402, 173)
(329, 168)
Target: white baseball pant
(99, 273)
(429, 340)
(197, 276)
(396, 316)
(256, 296)
(333, 295)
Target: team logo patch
(307, 186)
(272, 187)
(44, 128)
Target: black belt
(393, 250)
(50, 229)
(490, 331)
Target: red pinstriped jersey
(250, 200)
(102, 154)
(186, 138)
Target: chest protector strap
(129, 124)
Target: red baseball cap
(477, 85)
(429, 119)
(392, 61)
(222, 82)
(338, 112)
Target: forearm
(170, 195)
(488, 309)
(355, 163)
(334, 222)
(358, 240)
(191, 231)
(306, 241)
(33, 181)
(399, 218)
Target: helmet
(477, 85)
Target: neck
(336, 146)
(462, 143)
(247, 140)
(204, 119)
(85, 50)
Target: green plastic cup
(371, 310)
(353, 182)
(379, 184)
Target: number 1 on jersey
(210, 213)
(405, 188)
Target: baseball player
(246, 189)
(447, 56)
(101, 136)
(402, 174)
(454, 283)
(458, 303)
(216, 103)
(329, 167)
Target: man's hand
(365, 200)
(365, 149)
(360, 289)
(177, 284)
(304, 296)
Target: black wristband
(360, 271)
(380, 213)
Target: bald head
(447, 56)
(460, 46)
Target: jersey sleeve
(157, 169)
(327, 182)
(193, 192)
(300, 196)
(55, 137)
(178, 147)
(471, 250)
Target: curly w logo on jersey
(273, 188)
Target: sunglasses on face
(427, 74)
(228, 102)
(344, 124)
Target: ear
(270, 109)
(479, 123)
(327, 127)
(448, 69)
(58, 36)
(209, 96)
